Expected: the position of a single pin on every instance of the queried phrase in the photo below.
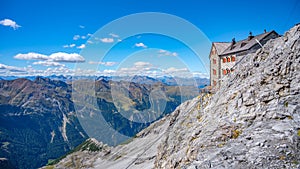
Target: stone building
(224, 55)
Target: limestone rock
(253, 121)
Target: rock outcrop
(253, 121)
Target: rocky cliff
(253, 121)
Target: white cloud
(163, 52)
(48, 63)
(113, 38)
(107, 40)
(58, 71)
(10, 68)
(31, 56)
(114, 35)
(142, 64)
(55, 57)
(81, 26)
(103, 63)
(175, 70)
(140, 45)
(108, 71)
(69, 46)
(11, 23)
(82, 46)
(76, 37)
(90, 42)
(138, 68)
(201, 75)
(66, 57)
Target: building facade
(224, 55)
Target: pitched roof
(245, 44)
(221, 46)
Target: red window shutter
(228, 59)
(224, 60)
(214, 72)
(224, 72)
(232, 58)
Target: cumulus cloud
(69, 46)
(10, 68)
(81, 26)
(48, 63)
(55, 57)
(11, 23)
(103, 63)
(82, 46)
(107, 40)
(58, 71)
(76, 37)
(142, 45)
(31, 56)
(163, 52)
(65, 57)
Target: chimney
(265, 31)
(250, 36)
(233, 41)
(232, 44)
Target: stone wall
(214, 78)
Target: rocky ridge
(253, 121)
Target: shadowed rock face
(253, 121)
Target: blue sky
(48, 36)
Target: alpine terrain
(252, 121)
(38, 117)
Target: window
(233, 58)
(224, 72)
(231, 69)
(228, 71)
(224, 60)
(214, 72)
(214, 61)
(214, 83)
(228, 59)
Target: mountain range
(252, 121)
(39, 118)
